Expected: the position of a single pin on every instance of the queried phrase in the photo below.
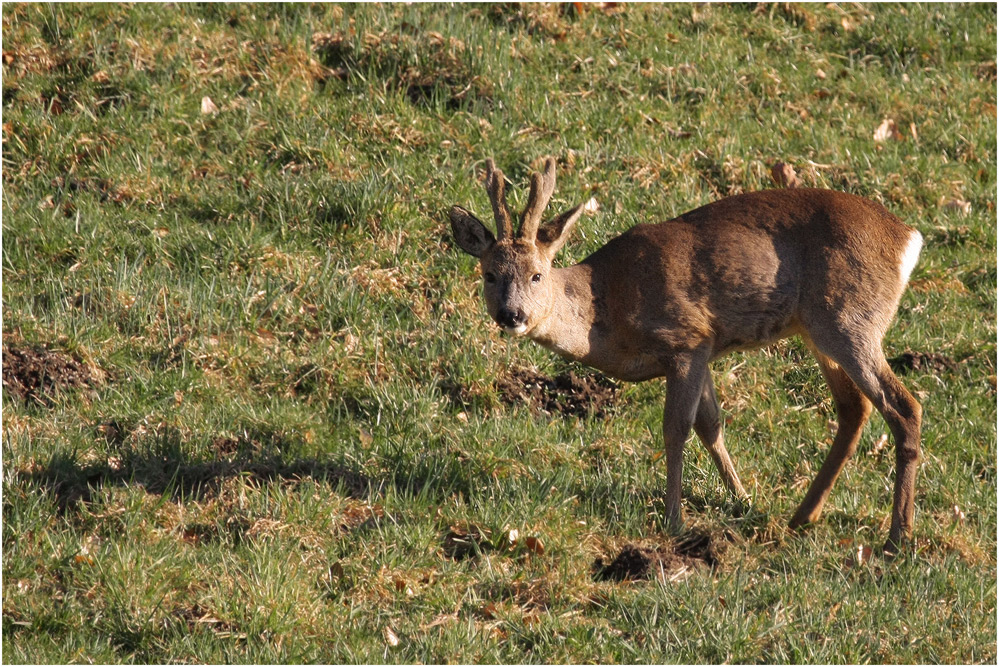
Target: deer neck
(566, 330)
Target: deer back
(738, 273)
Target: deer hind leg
(852, 411)
(707, 425)
(904, 416)
(865, 363)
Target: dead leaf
(784, 175)
(888, 129)
(591, 206)
(880, 444)
(535, 546)
(860, 555)
(863, 554)
(207, 106)
(391, 638)
(403, 587)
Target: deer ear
(554, 233)
(471, 235)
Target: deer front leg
(684, 383)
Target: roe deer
(663, 300)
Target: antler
(542, 188)
(496, 187)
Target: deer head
(516, 267)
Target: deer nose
(510, 318)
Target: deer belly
(747, 331)
(627, 361)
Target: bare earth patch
(922, 362)
(636, 563)
(36, 374)
(567, 393)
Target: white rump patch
(908, 260)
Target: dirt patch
(567, 394)
(36, 374)
(197, 616)
(636, 563)
(465, 541)
(922, 362)
(225, 445)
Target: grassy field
(254, 409)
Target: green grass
(296, 401)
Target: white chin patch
(518, 330)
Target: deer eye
(536, 278)
(489, 277)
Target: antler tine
(496, 187)
(542, 188)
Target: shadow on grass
(166, 466)
(166, 470)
